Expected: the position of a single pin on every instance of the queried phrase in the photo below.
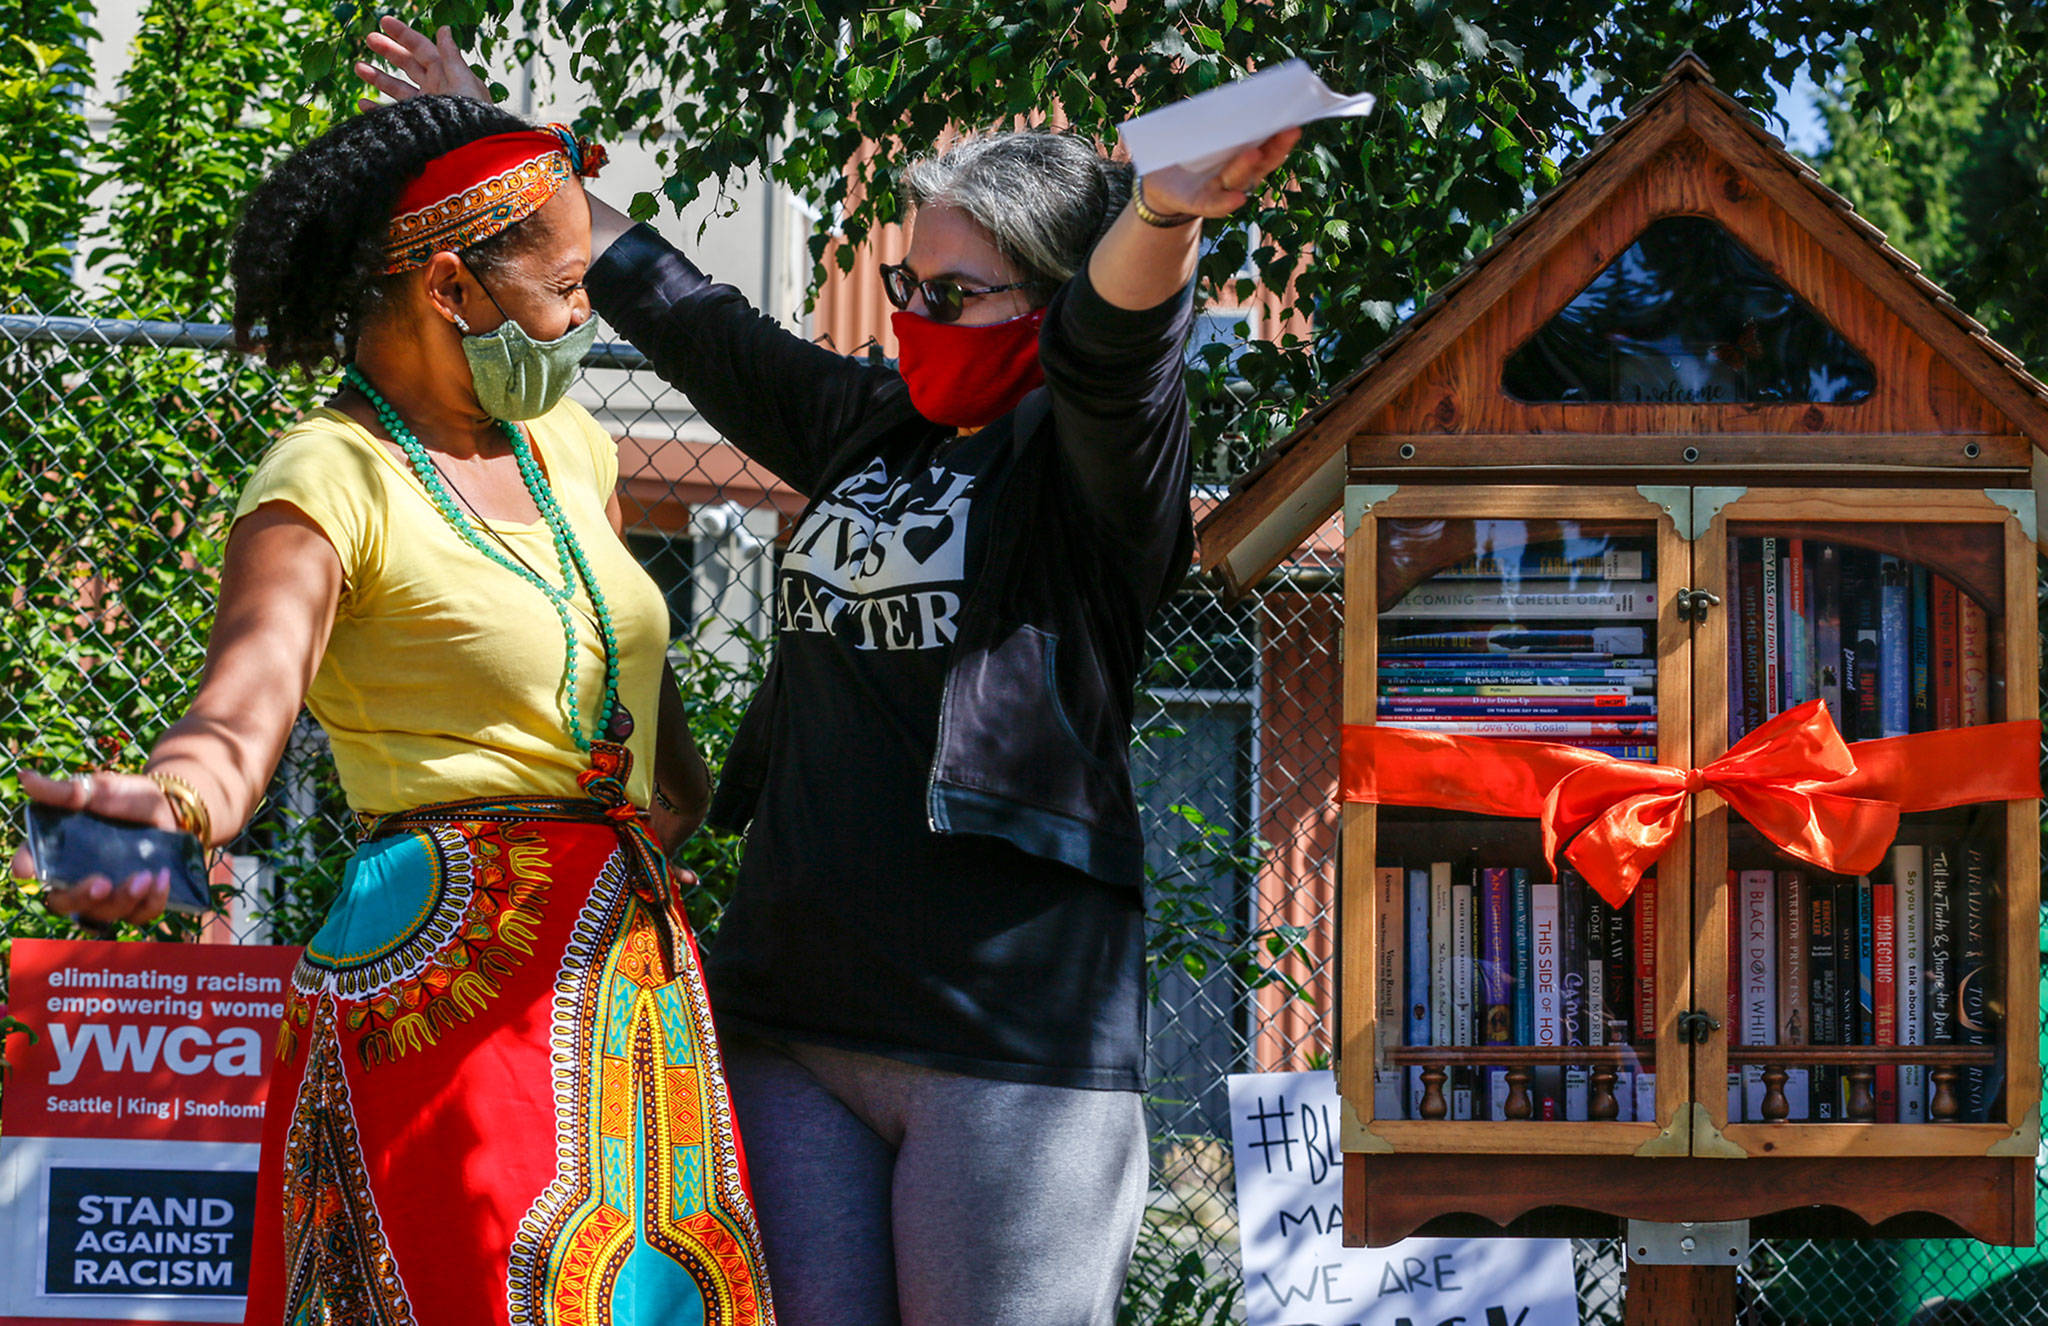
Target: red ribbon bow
(1819, 798)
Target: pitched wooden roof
(1299, 483)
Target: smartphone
(71, 845)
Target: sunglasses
(944, 300)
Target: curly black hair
(308, 260)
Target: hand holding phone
(70, 847)
(126, 802)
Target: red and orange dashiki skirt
(498, 1097)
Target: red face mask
(967, 376)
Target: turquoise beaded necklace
(613, 720)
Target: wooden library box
(1690, 842)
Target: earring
(460, 325)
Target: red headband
(466, 196)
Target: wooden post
(1678, 1295)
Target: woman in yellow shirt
(498, 1097)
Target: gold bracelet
(1152, 218)
(187, 805)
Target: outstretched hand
(1178, 190)
(425, 66)
(97, 899)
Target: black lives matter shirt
(854, 924)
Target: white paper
(1290, 1226)
(1208, 129)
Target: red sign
(145, 1041)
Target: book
(1795, 633)
(1524, 958)
(1464, 960)
(1794, 992)
(1866, 961)
(1390, 911)
(1644, 907)
(1503, 638)
(1942, 933)
(1909, 908)
(1821, 1005)
(1618, 707)
(1895, 630)
(1756, 969)
(1571, 982)
(1533, 727)
(1547, 994)
(1620, 974)
(1945, 653)
(1496, 972)
(1595, 922)
(1920, 644)
(1542, 686)
(1510, 666)
(1442, 1002)
(1977, 905)
(1421, 1025)
(1827, 626)
(1737, 681)
(1973, 649)
(1770, 569)
(1646, 1096)
(1731, 903)
(1537, 562)
(1884, 996)
(1859, 644)
(1527, 600)
(1749, 591)
(1847, 966)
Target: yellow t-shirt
(443, 676)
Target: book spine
(1524, 958)
(1496, 971)
(1866, 961)
(1646, 1096)
(1546, 933)
(1596, 967)
(1442, 1008)
(1556, 690)
(1827, 627)
(1795, 634)
(1821, 990)
(1419, 1028)
(1750, 588)
(1531, 727)
(1519, 706)
(1425, 660)
(1526, 601)
(1973, 974)
(1737, 1031)
(1507, 639)
(1620, 1001)
(1946, 652)
(1909, 906)
(1921, 645)
(1644, 905)
(1614, 564)
(1769, 568)
(1464, 948)
(1973, 645)
(1758, 969)
(1884, 1000)
(1389, 913)
(1572, 893)
(1895, 641)
(1859, 644)
(1794, 945)
(1847, 963)
(1942, 927)
(1738, 680)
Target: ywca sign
(129, 1128)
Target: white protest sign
(1297, 1271)
(1209, 128)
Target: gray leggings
(891, 1193)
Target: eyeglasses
(944, 300)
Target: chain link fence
(125, 442)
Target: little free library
(1689, 860)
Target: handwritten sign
(1297, 1271)
(130, 1127)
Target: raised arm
(279, 587)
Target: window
(1687, 315)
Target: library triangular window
(1687, 315)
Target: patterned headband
(466, 196)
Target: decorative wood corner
(1353, 1135)
(2025, 1139)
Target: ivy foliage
(1480, 105)
(42, 122)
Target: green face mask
(517, 377)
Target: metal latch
(1696, 1025)
(1688, 1242)
(1693, 604)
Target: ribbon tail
(1840, 834)
(1624, 842)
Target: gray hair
(1044, 198)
